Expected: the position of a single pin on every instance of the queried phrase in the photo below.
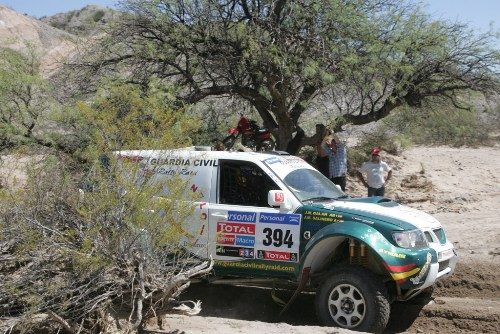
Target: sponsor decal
(255, 266)
(324, 217)
(225, 239)
(234, 251)
(279, 218)
(416, 280)
(196, 243)
(307, 235)
(276, 256)
(246, 253)
(241, 217)
(244, 240)
(169, 171)
(393, 254)
(236, 228)
(279, 197)
(183, 162)
(272, 160)
(130, 158)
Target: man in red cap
(375, 174)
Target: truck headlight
(410, 239)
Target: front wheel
(266, 145)
(353, 298)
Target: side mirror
(277, 198)
(338, 187)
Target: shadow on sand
(248, 303)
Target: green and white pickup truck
(272, 215)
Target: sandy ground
(460, 187)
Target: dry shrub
(107, 258)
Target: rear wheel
(353, 298)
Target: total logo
(236, 228)
(277, 256)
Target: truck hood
(386, 210)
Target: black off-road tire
(377, 307)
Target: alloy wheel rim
(346, 305)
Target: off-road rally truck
(273, 216)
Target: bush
(82, 263)
(98, 15)
(441, 125)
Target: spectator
(321, 155)
(337, 157)
(375, 178)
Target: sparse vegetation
(112, 256)
(443, 125)
(25, 97)
(98, 15)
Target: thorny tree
(24, 97)
(370, 56)
(112, 256)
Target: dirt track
(464, 196)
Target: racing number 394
(277, 237)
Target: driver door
(242, 224)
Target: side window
(244, 183)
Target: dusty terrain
(457, 185)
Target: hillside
(82, 22)
(18, 32)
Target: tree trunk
(284, 132)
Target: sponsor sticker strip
(263, 236)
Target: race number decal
(277, 236)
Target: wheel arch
(322, 250)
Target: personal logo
(279, 218)
(241, 217)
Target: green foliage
(440, 124)
(122, 117)
(373, 56)
(24, 96)
(82, 254)
(98, 15)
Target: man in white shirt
(375, 174)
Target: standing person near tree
(337, 156)
(375, 174)
(322, 160)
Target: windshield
(310, 185)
